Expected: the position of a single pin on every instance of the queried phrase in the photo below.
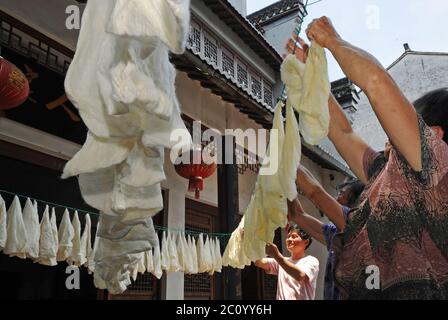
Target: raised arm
(319, 197)
(349, 145)
(311, 225)
(288, 266)
(395, 113)
(263, 264)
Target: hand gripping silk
(308, 90)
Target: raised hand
(272, 251)
(299, 49)
(323, 32)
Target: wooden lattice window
(144, 282)
(269, 287)
(32, 44)
(255, 86)
(228, 63)
(242, 75)
(146, 286)
(267, 94)
(211, 49)
(194, 39)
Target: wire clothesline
(50, 203)
(298, 30)
(158, 228)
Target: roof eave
(279, 16)
(212, 79)
(241, 26)
(421, 53)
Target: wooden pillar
(228, 207)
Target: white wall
(278, 32)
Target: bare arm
(262, 264)
(320, 198)
(287, 265)
(291, 269)
(395, 113)
(349, 145)
(311, 225)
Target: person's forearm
(358, 65)
(311, 225)
(392, 108)
(262, 264)
(314, 192)
(349, 145)
(306, 182)
(339, 122)
(290, 268)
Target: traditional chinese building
(229, 78)
(277, 21)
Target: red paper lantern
(195, 173)
(14, 86)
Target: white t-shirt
(289, 288)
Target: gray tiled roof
(274, 11)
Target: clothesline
(298, 29)
(158, 228)
(50, 203)
(22, 235)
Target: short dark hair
(433, 108)
(355, 189)
(302, 233)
